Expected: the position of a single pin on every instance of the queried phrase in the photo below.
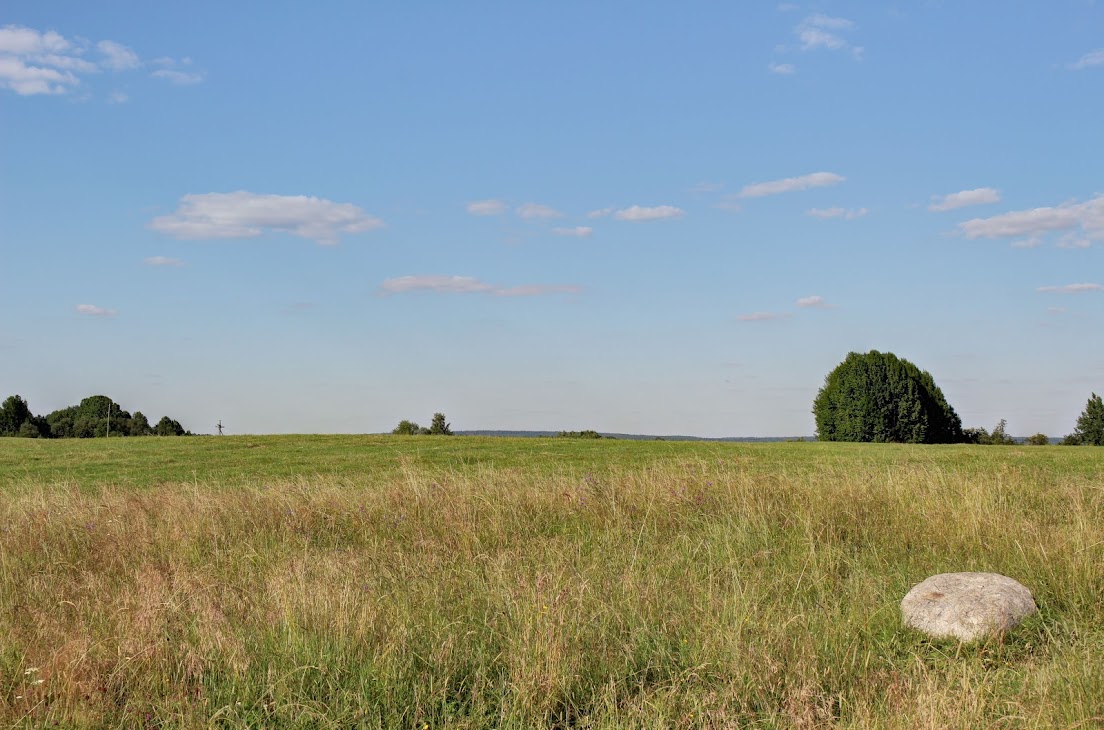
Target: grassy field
(370, 582)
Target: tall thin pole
(108, 419)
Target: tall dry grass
(706, 593)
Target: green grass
(348, 582)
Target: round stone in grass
(966, 606)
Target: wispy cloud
(162, 261)
(531, 211)
(837, 212)
(790, 184)
(243, 214)
(707, 187)
(977, 196)
(470, 285)
(118, 97)
(814, 302)
(820, 31)
(764, 316)
(1071, 288)
(642, 214)
(577, 231)
(180, 78)
(1087, 218)
(34, 62)
(600, 213)
(117, 57)
(1090, 59)
(91, 310)
(782, 69)
(487, 207)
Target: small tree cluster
(998, 437)
(581, 435)
(437, 427)
(95, 417)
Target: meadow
(433, 582)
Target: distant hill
(640, 436)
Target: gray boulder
(966, 606)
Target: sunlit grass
(476, 583)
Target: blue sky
(636, 217)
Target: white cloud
(487, 207)
(783, 69)
(1071, 288)
(469, 285)
(640, 214)
(243, 214)
(577, 231)
(93, 311)
(822, 31)
(1085, 218)
(117, 56)
(600, 213)
(34, 62)
(21, 41)
(837, 212)
(961, 199)
(1073, 241)
(814, 302)
(118, 97)
(531, 211)
(790, 184)
(30, 80)
(1092, 58)
(763, 316)
(180, 78)
(162, 261)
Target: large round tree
(881, 398)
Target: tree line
(878, 397)
(94, 417)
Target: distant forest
(95, 417)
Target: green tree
(407, 428)
(168, 427)
(14, 412)
(1090, 424)
(1038, 439)
(999, 437)
(139, 425)
(876, 397)
(438, 426)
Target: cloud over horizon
(1084, 219)
(790, 184)
(763, 316)
(961, 199)
(1071, 288)
(576, 231)
(837, 212)
(242, 214)
(443, 284)
(162, 261)
(91, 310)
(536, 211)
(642, 214)
(487, 207)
